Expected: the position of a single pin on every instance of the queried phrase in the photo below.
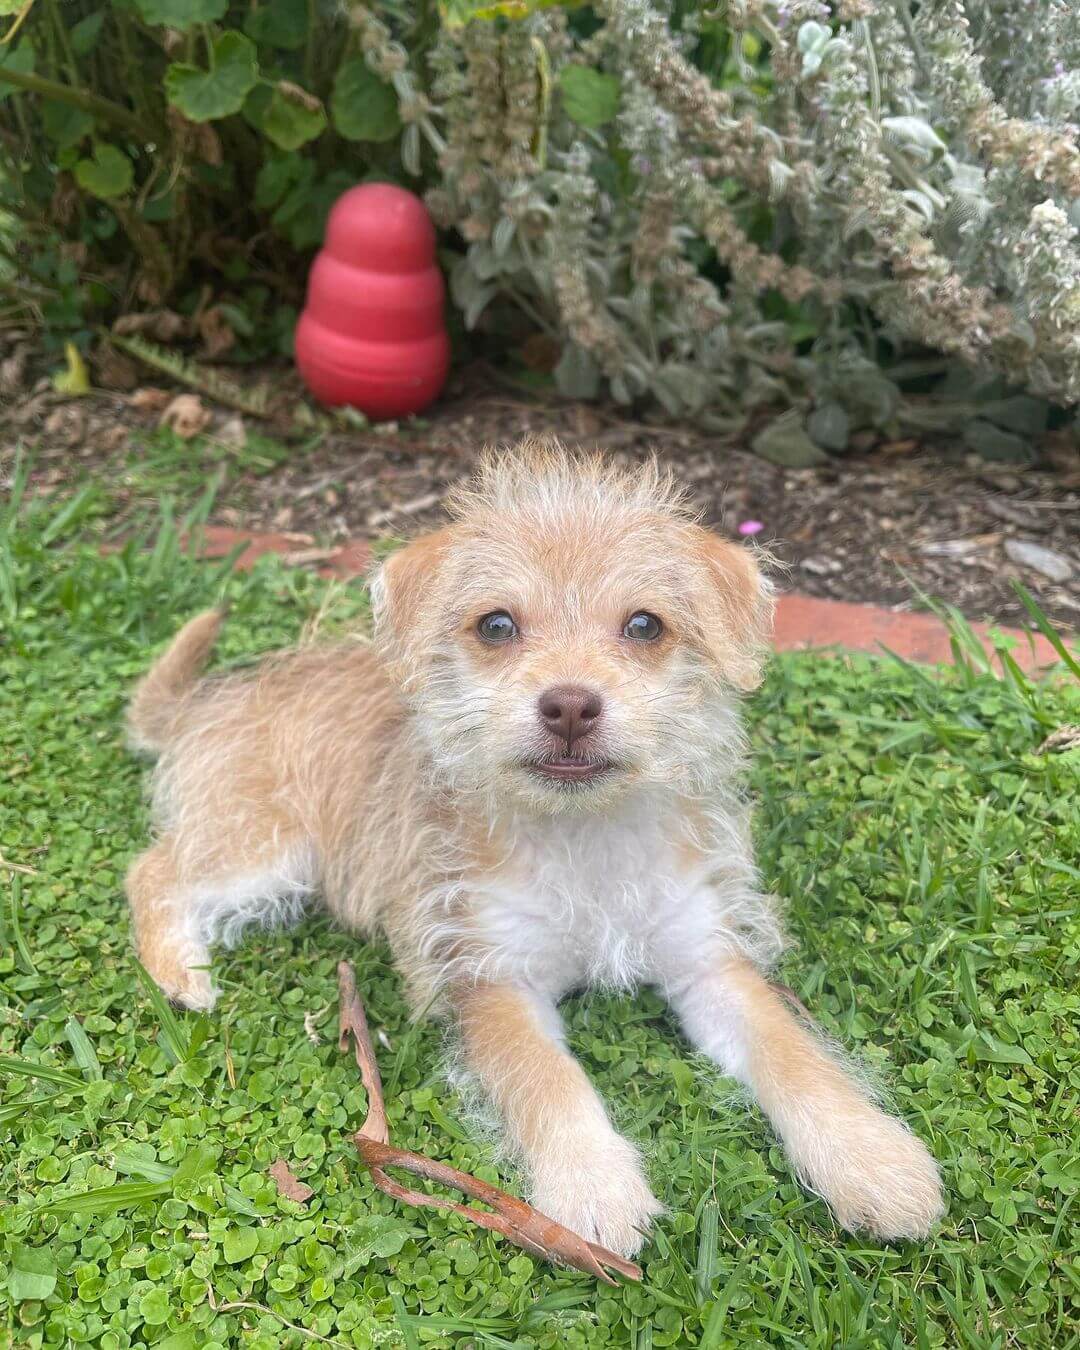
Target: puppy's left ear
(399, 589)
(738, 620)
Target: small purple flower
(749, 527)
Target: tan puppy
(529, 784)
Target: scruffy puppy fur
(529, 783)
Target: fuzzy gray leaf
(785, 442)
(920, 203)
(993, 443)
(812, 36)
(1024, 415)
(502, 236)
(905, 131)
(829, 426)
(576, 374)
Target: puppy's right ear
(399, 589)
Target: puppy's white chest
(590, 902)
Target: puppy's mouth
(569, 768)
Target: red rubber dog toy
(372, 333)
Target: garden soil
(873, 525)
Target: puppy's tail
(159, 696)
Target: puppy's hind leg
(177, 917)
(166, 936)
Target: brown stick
(515, 1220)
(352, 1022)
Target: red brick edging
(802, 621)
(807, 621)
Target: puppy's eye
(497, 627)
(643, 627)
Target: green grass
(929, 859)
(156, 466)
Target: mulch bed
(865, 527)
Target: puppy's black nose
(570, 712)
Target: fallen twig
(21, 868)
(237, 1305)
(511, 1217)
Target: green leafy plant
(924, 846)
(776, 203)
(176, 155)
(771, 204)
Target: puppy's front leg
(583, 1173)
(869, 1167)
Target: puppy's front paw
(181, 979)
(598, 1191)
(877, 1176)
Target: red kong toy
(372, 333)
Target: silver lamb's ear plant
(832, 175)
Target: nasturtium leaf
(364, 108)
(181, 14)
(204, 95)
(281, 23)
(590, 97)
(108, 174)
(286, 119)
(64, 125)
(240, 1244)
(32, 1274)
(84, 34)
(10, 6)
(21, 59)
(275, 178)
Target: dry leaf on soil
(186, 416)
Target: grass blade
(173, 1038)
(108, 1199)
(19, 478)
(9, 595)
(131, 1164)
(25, 1068)
(159, 1173)
(714, 1326)
(405, 1322)
(1047, 628)
(71, 513)
(708, 1244)
(85, 1055)
(16, 927)
(14, 1110)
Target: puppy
(529, 784)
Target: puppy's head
(572, 633)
